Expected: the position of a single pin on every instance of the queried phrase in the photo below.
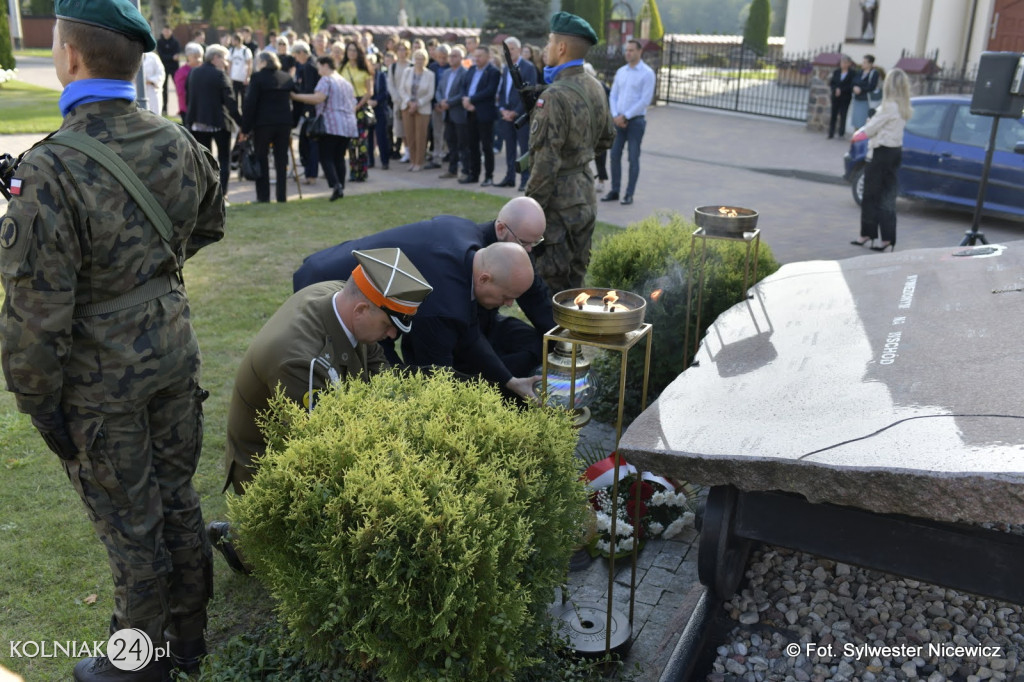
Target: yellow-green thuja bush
(416, 525)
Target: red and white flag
(15, 187)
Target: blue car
(943, 154)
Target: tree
(272, 8)
(300, 16)
(207, 7)
(653, 16)
(525, 19)
(593, 12)
(759, 20)
(6, 48)
(315, 14)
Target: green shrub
(759, 20)
(419, 522)
(6, 49)
(654, 254)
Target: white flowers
(8, 75)
(677, 526)
(666, 498)
(663, 512)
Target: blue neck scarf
(94, 90)
(551, 71)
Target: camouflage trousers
(563, 257)
(134, 474)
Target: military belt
(570, 171)
(151, 289)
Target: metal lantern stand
(752, 240)
(620, 343)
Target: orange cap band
(376, 297)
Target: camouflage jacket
(74, 236)
(565, 134)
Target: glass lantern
(559, 381)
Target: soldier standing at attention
(569, 124)
(96, 340)
(323, 334)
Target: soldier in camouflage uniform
(97, 345)
(569, 124)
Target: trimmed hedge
(414, 525)
(654, 254)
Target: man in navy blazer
(381, 103)
(449, 92)
(481, 84)
(473, 270)
(510, 108)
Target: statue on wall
(869, 11)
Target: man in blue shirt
(449, 100)
(510, 108)
(481, 88)
(631, 93)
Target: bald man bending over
(474, 269)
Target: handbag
(249, 165)
(316, 127)
(369, 117)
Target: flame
(656, 294)
(728, 212)
(610, 297)
(581, 299)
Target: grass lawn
(55, 582)
(26, 108)
(33, 52)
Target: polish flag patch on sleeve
(15, 187)
(540, 104)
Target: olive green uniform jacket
(302, 348)
(566, 130)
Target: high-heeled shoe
(883, 247)
(863, 243)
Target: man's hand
(856, 89)
(621, 121)
(53, 429)
(523, 387)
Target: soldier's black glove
(53, 429)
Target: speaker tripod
(973, 236)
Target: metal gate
(734, 77)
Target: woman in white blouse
(885, 151)
(414, 93)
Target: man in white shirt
(239, 67)
(153, 71)
(632, 92)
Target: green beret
(120, 16)
(572, 25)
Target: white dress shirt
(632, 90)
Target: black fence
(736, 78)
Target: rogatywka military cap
(572, 25)
(115, 15)
(389, 279)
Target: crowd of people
(429, 104)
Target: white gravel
(808, 619)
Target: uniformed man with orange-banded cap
(322, 334)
